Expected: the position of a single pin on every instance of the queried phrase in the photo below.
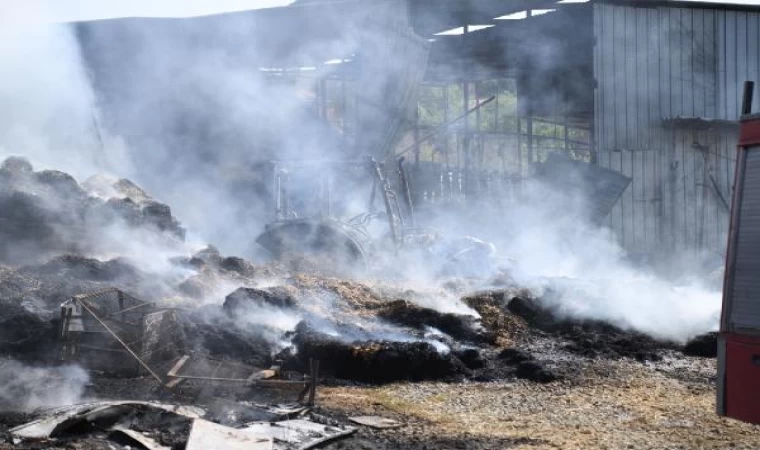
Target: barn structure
(647, 88)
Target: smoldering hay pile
(61, 238)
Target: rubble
(154, 426)
(202, 332)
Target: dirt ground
(610, 405)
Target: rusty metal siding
(652, 63)
(745, 307)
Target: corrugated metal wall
(662, 62)
(738, 43)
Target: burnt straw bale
(590, 338)
(535, 371)
(514, 356)
(16, 164)
(48, 212)
(373, 361)
(704, 346)
(208, 332)
(83, 268)
(24, 335)
(471, 358)
(460, 327)
(247, 299)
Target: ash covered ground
(459, 362)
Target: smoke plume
(203, 115)
(26, 388)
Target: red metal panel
(749, 133)
(742, 378)
(738, 354)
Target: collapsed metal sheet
(45, 427)
(206, 435)
(143, 440)
(600, 188)
(298, 434)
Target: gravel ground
(609, 405)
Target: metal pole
(140, 361)
(749, 89)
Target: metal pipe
(145, 366)
(407, 193)
(749, 89)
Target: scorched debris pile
(205, 316)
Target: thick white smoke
(50, 114)
(48, 109)
(580, 271)
(26, 388)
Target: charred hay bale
(514, 356)
(590, 338)
(193, 287)
(373, 361)
(535, 371)
(123, 208)
(26, 227)
(209, 332)
(61, 184)
(83, 268)
(704, 346)
(25, 335)
(526, 367)
(471, 358)
(160, 216)
(245, 299)
(207, 256)
(237, 265)
(530, 310)
(16, 164)
(460, 327)
(130, 190)
(502, 327)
